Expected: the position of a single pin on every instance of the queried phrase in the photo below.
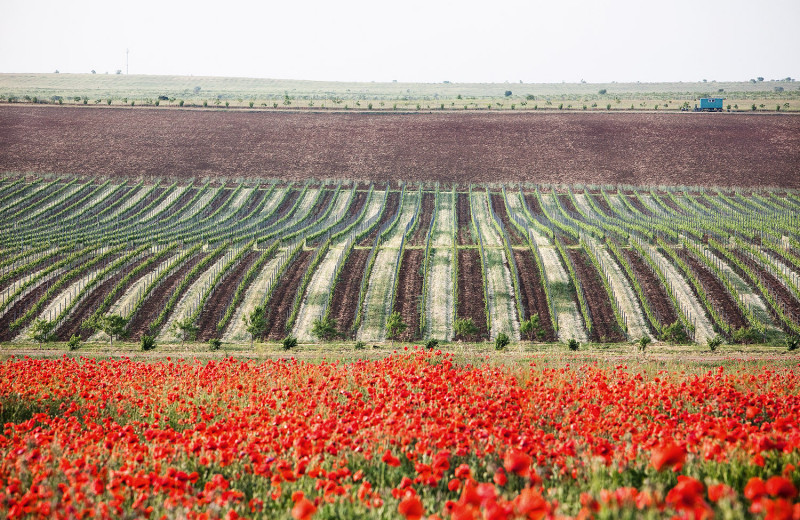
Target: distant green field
(275, 93)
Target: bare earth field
(747, 150)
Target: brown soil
(788, 303)
(671, 203)
(603, 205)
(158, 298)
(464, 213)
(113, 201)
(136, 208)
(423, 220)
(280, 305)
(283, 208)
(701, 200)
(499, 207)
(218, 302)
(250, 204)
(471, 303)
(532, 292)
(636, 203)
(345, 294)
(605, 327)
(41, 264)
(600, 148)
(21, 307)
(566, 202)
(392, 202)
(216, 202)
(75, 197)
(717, 294)
(654, 292)
(91, 303)
(180, 204)
(533, 204)
(356, 205)
(409, 289)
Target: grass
(97, 89)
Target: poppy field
(416, 434)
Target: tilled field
(592, 148)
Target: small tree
(643, 342)
(465, 328)
(508, 93)
(574, 344)
(432, 344)
(395, 326)
(41, 330)
(256, 323)
(602, 92)
(113, 325)
(185, 329)
(74, 342)
(289, 342)
(214, 343)
(324, 328)
(714, 342)
(792, 342)
(532, 328)
(501, 341)
(147, 342)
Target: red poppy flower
(303, 509)
(669, 455)
(519, 462)
(411, 507)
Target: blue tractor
(709, 105)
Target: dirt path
(502, 301)
(217, 303)
(280, 305)
(253, 297)
(423, 220)
(378, 301)
(439, 300)
(409, 291)
(626, 297)
(470, 291)
(313, 306)
(692, 308)
(188, 302)
(570, 323)
(534, 300)
(345, 295)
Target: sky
(415, 40)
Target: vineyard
(178, 259)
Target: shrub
(289, 342)
(205, 103)
(113, 325)
(643, 342)
(251, 104)
(41, 330)
(574, 344)
(214, 343)
(465, 328)
(256, 323)
(532, 328)
(602, 92)
(431, 344)
(360, 345)
(792, 342)
(324, 329)
(395, 326)
(745, 335)
(714, 342)
(674, 333)
(185, 329)
(501, 341)
(507, 93)
(74, 342)
(180, 103)
(148, 342)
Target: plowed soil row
(21, 307)
(654, 291)
(605, 327)
(92, 302)
(217, 303)
(423, 220)
(533, 204)
(471, 303)
(636, 203)
(499, 206)
(81, 192)
(153, 195)
(356, 205)
(30, 270)
(158, 298)
(249, 205)
(345, 295)
(409, 290)
(671, 203)
(112, 201)
(464, 212)
(280, 305)
(320, 206)
(392, 201)
(720, 298)
(603, 204)
(789, 304)
(216, 202)
(566, 202)
(283, 208)
(531, 292)
(187, 195)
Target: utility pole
(127, 51)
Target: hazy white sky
(415, 40)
